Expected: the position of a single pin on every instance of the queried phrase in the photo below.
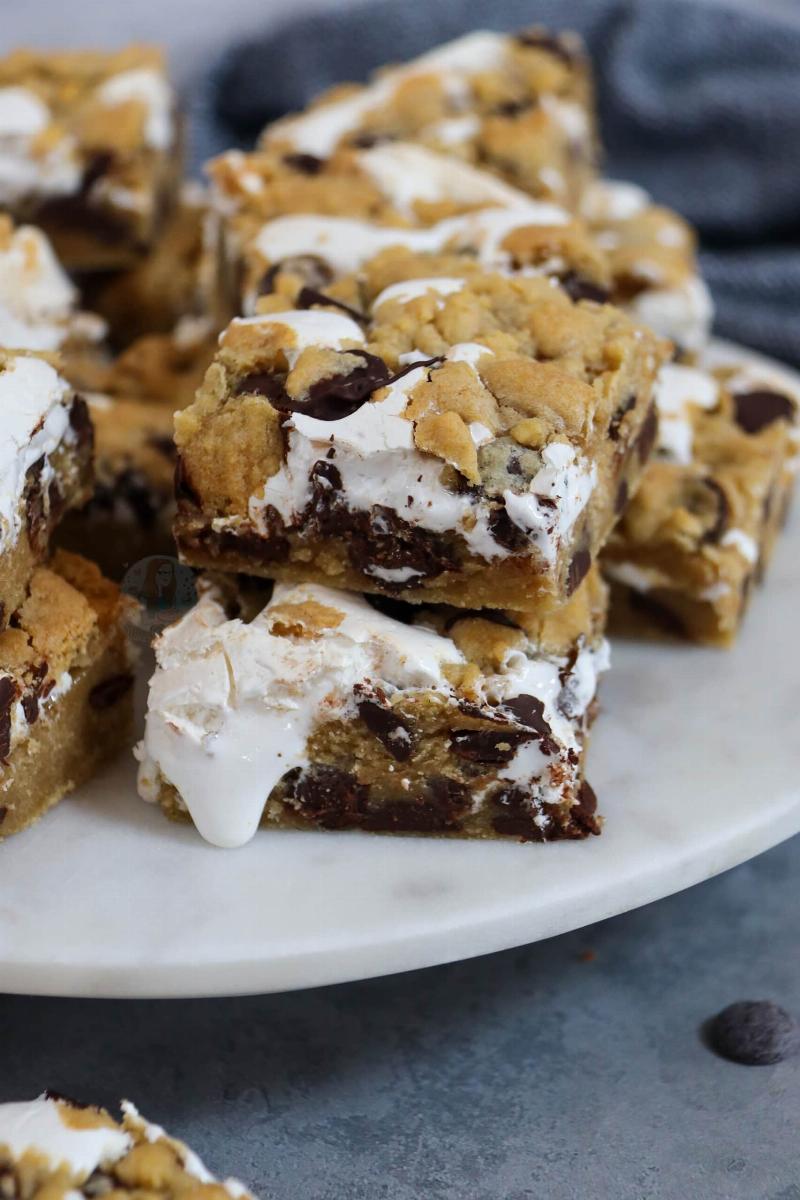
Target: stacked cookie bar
(435, 379)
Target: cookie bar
(177, 281)
(130, 514)
(45, 466)
(53, 1148)
(282, 218)
(39, 303)
(320, 710)
(652, 258)
(65, 688)
(520, 106)
(701, 527)
(467, 438)
(89, 150)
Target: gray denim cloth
(699, 103)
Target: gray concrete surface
(529, 1075)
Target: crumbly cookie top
(55, 1148)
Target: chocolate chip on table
(306, 164)
(756, 410)
(578, 287)
(104, 694)
(755, 1033)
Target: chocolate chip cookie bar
(307, 708)
(39, 303)
(45, 466)
(467, 439)
(130, 514)
(701, 527)
(60, 1149)
(65, 688)
(652, 259)
(282, 217)
(177, 281)
(89, 150)
(521, 106)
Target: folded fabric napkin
(699, 103)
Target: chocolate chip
(720, 508)
(578, 569)
(331, 798)
(583, 813)
(30, 697)
(754, 1032)
(105, 694)
(398, 610)
(756, 410)
(506, 532)
(35, 518)
(513, 108)
(263, 548)
(306, 164)
(185, 492)
(314, 270)
(329, 399)
(619, 416)
(380, 540)
(438, 807)
(487, 745)
(393, 732)
(412, 366)
(621, 498)
(81, 422)
(309, 296)
(647, 435)
(8, 695)
(529, 711)
(579, 288)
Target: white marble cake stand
(696, 759)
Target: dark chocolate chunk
(8, 694)
(380, 539)
(331, 798)
(105, 694)
(30, 697)
(185, 493)
(439, 806)
(506, 532)
(579, 288)
(390, 606)
(262, 549)
(487, 745)
(309, 296)
(756, 1033)
(621, 498)
(412, 366)
(646, 438)
(618, 417)
(583, 814)
(310, 267)
(578, 569)
(392, 731)
(306, 164)
(529, 711)
(35, 515)
(758, 409)
(329, 399)
(81, 422)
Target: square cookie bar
(702, 525)
(45, 466)
(90, 150)
(283, 218)
(64, 1150)
(130, 514)
(652, 259)
(468, 439)
(307, 708)
(65, 688)
(520, 105)
(39, 303)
